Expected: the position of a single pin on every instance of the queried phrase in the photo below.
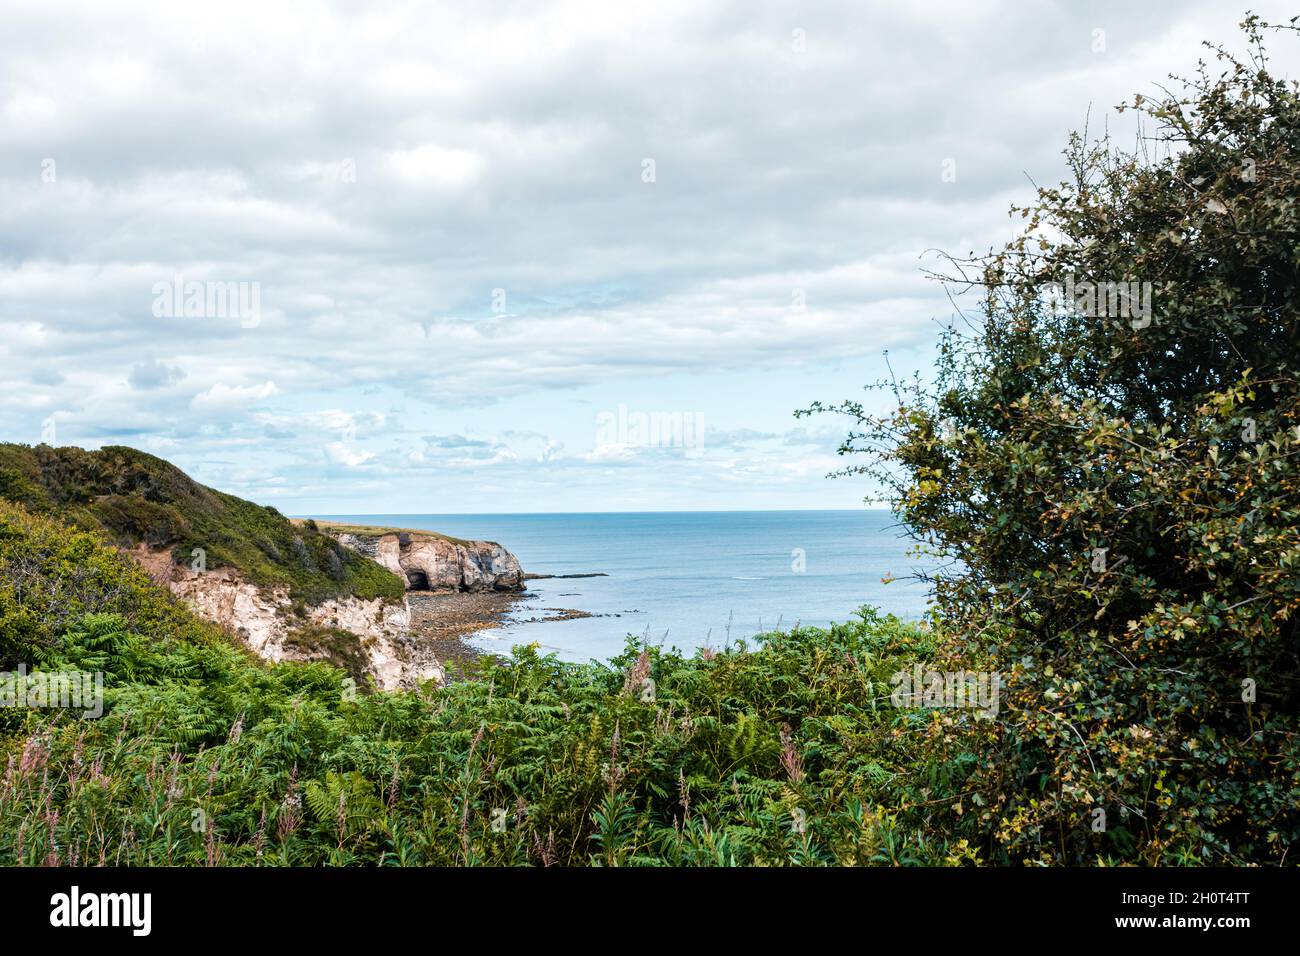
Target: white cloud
(500, 147)
(346, 454)
(435, 165)
(228, 399)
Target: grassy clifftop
(374, 531)
(132, 498)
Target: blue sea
(688, 579)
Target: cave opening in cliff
(418, 580)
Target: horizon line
(660, 511)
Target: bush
(1120, 490)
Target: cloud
(435, 165)
(230, 399)
(443, 209)
(153, 374)
(456, 441)
(348, 455)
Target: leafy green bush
(1120, 487)
(50, 578)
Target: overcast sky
(475, 229)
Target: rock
(264, 618)
(587, 574)
(431, 563)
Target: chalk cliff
(428, 562)
(272, 624)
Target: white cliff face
(221, 597)
(380, 626)
(264, 618)
(441, 565)
(388, 552)
(439, 561)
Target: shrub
(1120, 492)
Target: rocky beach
(455, 588)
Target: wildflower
(545, 851)
(290, 808)
(51, 824)
(259, 840)
(638, 673)
(36, 752)
(393, 788)
(791, 758)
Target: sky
(507, 257)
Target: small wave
(741, 577)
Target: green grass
(370, 530)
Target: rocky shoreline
(440, 622)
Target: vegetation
(1120, 489)
(1116, 486)
(51, 578)
(340, 647)
(134, 498)
(788, 753)
(370, 530)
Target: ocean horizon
(686, 579)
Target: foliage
(205, 755)
(51, 578)
(340, 647)
(1120, 492)
(136, 498)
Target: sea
(688, 579)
